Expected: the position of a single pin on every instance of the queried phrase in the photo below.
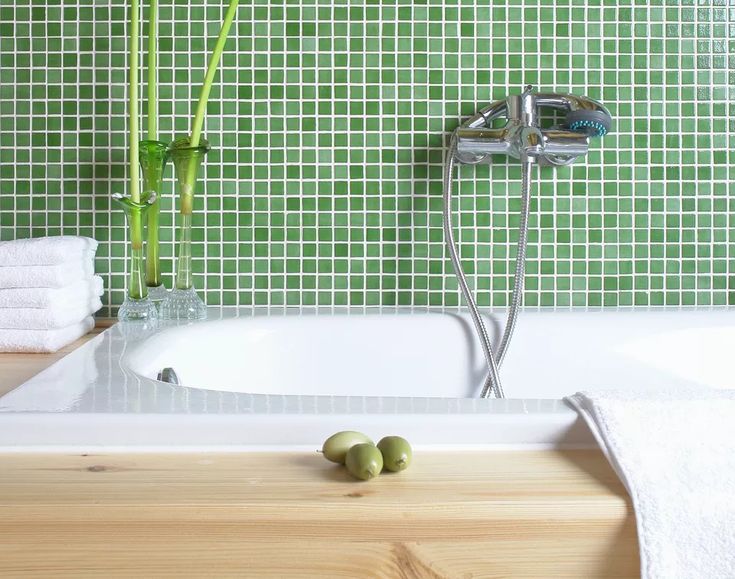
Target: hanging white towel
(47, 276)
(675, 453)
(47, 318)
(82, 291)
(45, 250)
(43, 340)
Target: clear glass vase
(137, 305)
(182, 302)
(153, 157)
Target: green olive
(336, 446)
(364, 461)
(396, 452)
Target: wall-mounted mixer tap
(522, 137)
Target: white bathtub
(263, 379)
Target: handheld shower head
(594, 123)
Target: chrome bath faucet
(522, 137)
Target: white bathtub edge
(44, 432)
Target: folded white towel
(45, 250)
(46, 318)
(39, 297)
(43, 340)
(675, 453)
(60, 275)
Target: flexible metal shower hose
(492, 382)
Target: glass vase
(137, 305)
(182, 302)
(153, 157)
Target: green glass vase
(183, 302)
(153, 156)
(137, 305)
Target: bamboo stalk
(196, 127)
(152, 71)
(153, 261)
(187, 197)
(133, 104)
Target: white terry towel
(81, 291)
(45, 318)
(55, 276)
(43, 340)
(675, 453)
(45, 250)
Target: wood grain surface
(453, 514)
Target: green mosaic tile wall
(329, 125)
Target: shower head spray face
(593, 123)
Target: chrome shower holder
(522, 137)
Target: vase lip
(182, 144)
(153, 143)
(147, 199)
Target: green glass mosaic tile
(329, 124)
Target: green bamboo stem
(152, 71)
(153, 261)
(184, 276)
(153, 156)
(185, 158)
(153, 257)
(133, 104)
(196, 126)
(136, 230)
(136, 285)
(187, 197)
(137, 288)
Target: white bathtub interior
(437, 354)
(391, 354)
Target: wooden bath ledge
(530, 514)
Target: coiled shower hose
(492, 382)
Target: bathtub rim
(78, 431)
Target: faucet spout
(531, 143)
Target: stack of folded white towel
(48, 292)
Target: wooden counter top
(453, 514)
(498, 514)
